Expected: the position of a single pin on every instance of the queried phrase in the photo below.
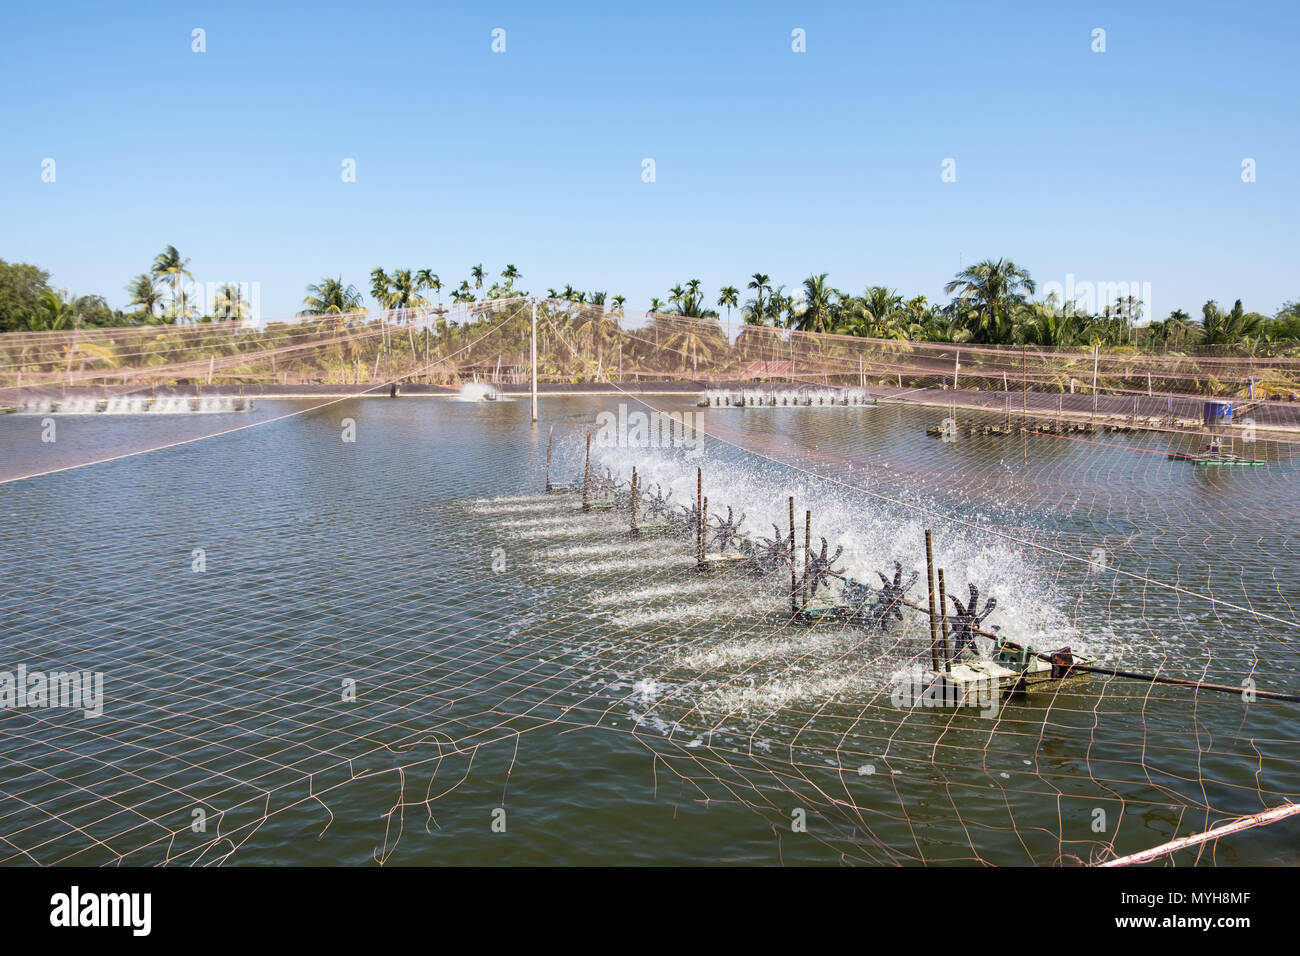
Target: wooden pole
(794, 577)
(943, 621)
(934, 621)
(586, 476)
(634, 479)
(699, 552)
(807, 552)
(1096, 351)
(533, 350)
(550, 437)
(699, 515)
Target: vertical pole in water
(699, 515)
(943, 624)
(550, 436)
(586, 476)
(807, 552)
(1096, 349)
(1024, 385)
(794, 579)
(634, 531)
(704, 519)
(862, 378)
(533, 350)
(956, 367)
(934, 622)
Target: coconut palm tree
(510, 274)
(229, 305)
(1228, 328)
(144, 293)
(993, 289)
(817, 297)
(53, 314)
(332, 297)
(477, 275)
(169, 266)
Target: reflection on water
(391, 636)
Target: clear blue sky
(1115, 166)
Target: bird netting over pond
(352, 630)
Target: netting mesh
(488, 630)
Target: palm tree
(144, 293)
(1228, 328)
(994, 288)
(817, 295)
(53, 314)
(332, 297)
(169, 264)
(760, 284)
(656, 305)
(379, 282)
(729, 298)
(510, 274)
(477, 275)
(229, 304)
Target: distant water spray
(480, 392)
(137, 405)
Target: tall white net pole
(533, 349)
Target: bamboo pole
(699, 515)
(807, 552)
(1214, 833)
(794, 577)
(586, 476)
(550, 437)
(699, 548)
(934, 622)
(943, 622)
(634, 481)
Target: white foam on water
(510, 509)
(480, 392)
(600, 550)
(639, 595)
(609, 567)
(536, 522)
(782, 692)
(756, 648)
(511, 499)
(873, 533)
(741, 610)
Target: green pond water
(399, 649)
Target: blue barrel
(1218, 413)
